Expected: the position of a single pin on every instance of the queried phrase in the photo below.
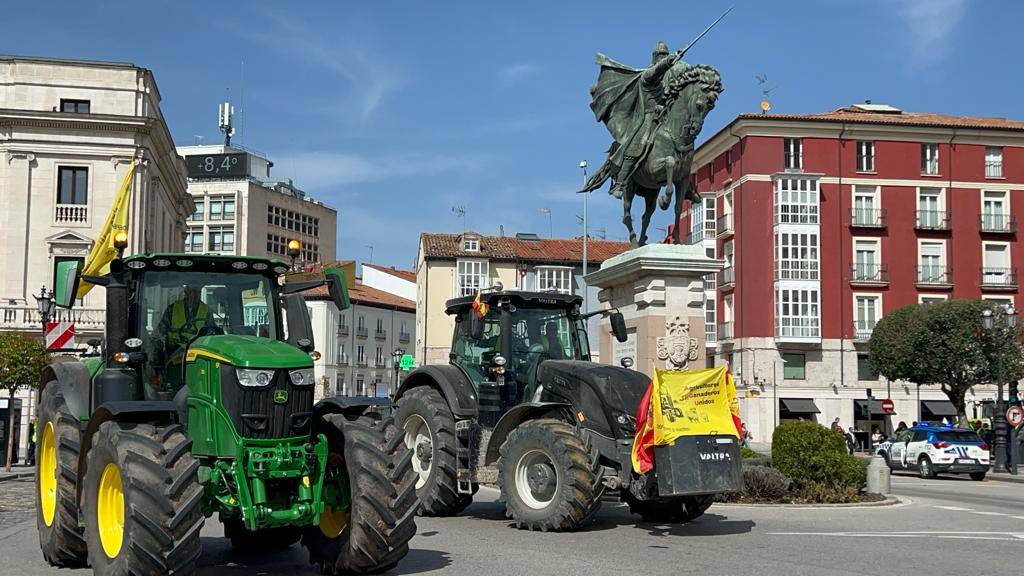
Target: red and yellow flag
(480, 306)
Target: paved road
(948, 526)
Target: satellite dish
(765, 106)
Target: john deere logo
(280, 396)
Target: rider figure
(183, 318)
(652, 93)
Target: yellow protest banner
(103, 251)
(694, 402)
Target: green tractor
(201, 403)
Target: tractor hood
(594, 387)
(250, 351)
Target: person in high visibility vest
(183, 318)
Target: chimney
(501, 230)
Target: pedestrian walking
(851, 440)
(836, 426)
(30, 458)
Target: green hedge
(811, 455)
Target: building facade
(357, 345)
(70, 131)
(398, 282)
(241, 209)
(453, 265)
(829, 221)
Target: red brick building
(828, 221)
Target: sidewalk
(1003, 477)
(16, 472)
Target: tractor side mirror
(300, 328)
(476, 326)
(337, 287)
(618, 326)
(67, 283)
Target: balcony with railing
(343, 359)
(798, 329)
(362, 332)
(724, 331)
(361, 361)
(726, 278)
(932, 220)
(404, 337)
(869, 274)
(343, 329)
(723, 226)
(935, 276)
(71, 214)
(380, 334)
(868, 218)
(862, 329)
(27, 319)
(997, 223)
(999, 278)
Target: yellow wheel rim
(48, 475)
(332, 521)
(110, 510)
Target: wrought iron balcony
(404, 337)
(361, 331)
(868, 217)
(997, 223)
(999, 278)
(862, 329)
(726, 277)
(724, 331)
(724, 225)
(935, 275)
(342, 329)
(932, 220)
(869, 274)
(380, 334)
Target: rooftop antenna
(370, 246)
(602, 233)
(762, 82)
(224, 114)
(547, 212)
(460, 212)
(241, 107)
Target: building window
(709, 216)
(551, 279)
(993, 162)
(194, 240)
(380, 356)
(74, 106)
(796, 201)
(994, 212)
(795, 367)
(794, 153)
(200, 214)
(798, 314)
(929, 159)
(932, 298)
(796, 255)
(361, 354)
(361, 323)
(222, 208)
(728, 162)
(221, 239)
(864, 371)
(866, 206)
(865, 156)
(996, 261)
(72, 185)
(866, 260)
(342, 357)
(470, 244)
(710, 330)
(931, 208)
(868, 310)
(472, 276)
(932, 267)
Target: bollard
(878, 476)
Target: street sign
(888, 406)
(60, 335)
(1015, 415)
(407, 362)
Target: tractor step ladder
(466, 435)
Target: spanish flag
(480, 306)
(103, 251)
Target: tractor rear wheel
(57, 480)
(549, 476)
(669, 510)
(142, 500)
(430, 434)
(268, 539)
(367, 460)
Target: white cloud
(930, 25)
(515, 72)
(319, 170)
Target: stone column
(659, 289)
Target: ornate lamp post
(396, 355)
(45, 305)
(1000, 334)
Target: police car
(931, 450)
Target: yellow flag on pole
(103, 251)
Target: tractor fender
(354, 405)
(512, 419)
(160, 412)
(451, 382)
(74, 381)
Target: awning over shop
(799, 405)
(939, 407)
(861, 408)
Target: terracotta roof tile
(544, 250)
(403, 274)
(858, 116)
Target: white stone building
(69, 130)
(241, 209)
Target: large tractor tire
(60, 537)
(669, 510)
(266, 540)
(367, 459)
(430, 434)
(142, 499)
(549, 476)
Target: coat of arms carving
(677, 348)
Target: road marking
(953, 508)
(990, 513)
(1004, 536)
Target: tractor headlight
(254, 378)
(302, 377)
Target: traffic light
(1014, 398)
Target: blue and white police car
(932, 450)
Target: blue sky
(394, 112)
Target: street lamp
(397, 356)
(583, 167)
(45, 304)
(999, 337)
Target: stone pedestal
(659, 289)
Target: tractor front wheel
(370, 474)
(142, 500)
(57, 480)
(549, 476)
(429, 428)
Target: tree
(942, 343)
(22, 358)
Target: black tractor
(521, 392)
